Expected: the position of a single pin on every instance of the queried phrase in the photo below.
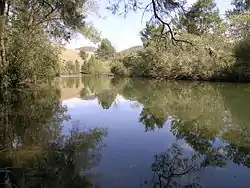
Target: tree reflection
(202, 113)
(237, 132)
(33, 151)
(106, 98)
(150, 121)
(66, 162)
(174, 168)
(104, 89)
(194, 134)
(71, 82)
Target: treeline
(70, 67)
(205, 47)
(101, 62)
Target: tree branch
(44, 19)
(145, 9)
(170, 31)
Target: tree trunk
(2, 35)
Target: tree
(77, 67)
(27, 29)
(239, 18)
(149, 33)
(202, 17)
(162, 11)
(83, 54)
(240, 6)
(239, 26)
(105, 50)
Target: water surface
(110, 132)
(201, 129)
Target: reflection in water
(212, 119)
(174, 169)
(150, 120)
(33, 152)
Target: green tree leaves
(28, 29)
(239, 7)
(149, 32)
(202, 17)
(105, 51)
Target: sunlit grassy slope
(72, 54)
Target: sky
(123, 32)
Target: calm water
(110, 133)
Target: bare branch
(47, 15)
(145, 10)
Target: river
(121, 132)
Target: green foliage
(239, 26)
(242, 51)
(70, 67)
(239, 7)
(182, 61)
(118, 69)
(29, 57)
(95, 66)
(202, 17)
(149, 32)
(77, 67)
(241, 68)
(105, 51)
(26, 35)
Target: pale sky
(123, 32)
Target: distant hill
(134, 48)
(87, 48)
(72, 55)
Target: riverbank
(212, 59)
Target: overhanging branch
(45, 18)
(165, 24)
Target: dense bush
(242, 51)
(118, 69)
(241, 68)
(212, 57)
(70, 67)
(29, 58)
(204, 61)
(95, 67)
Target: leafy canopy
(202, 17)
(105, 50)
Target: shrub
(242, 51)
(162, 60)
(119, 69)
(241, 68)
(95, 67)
